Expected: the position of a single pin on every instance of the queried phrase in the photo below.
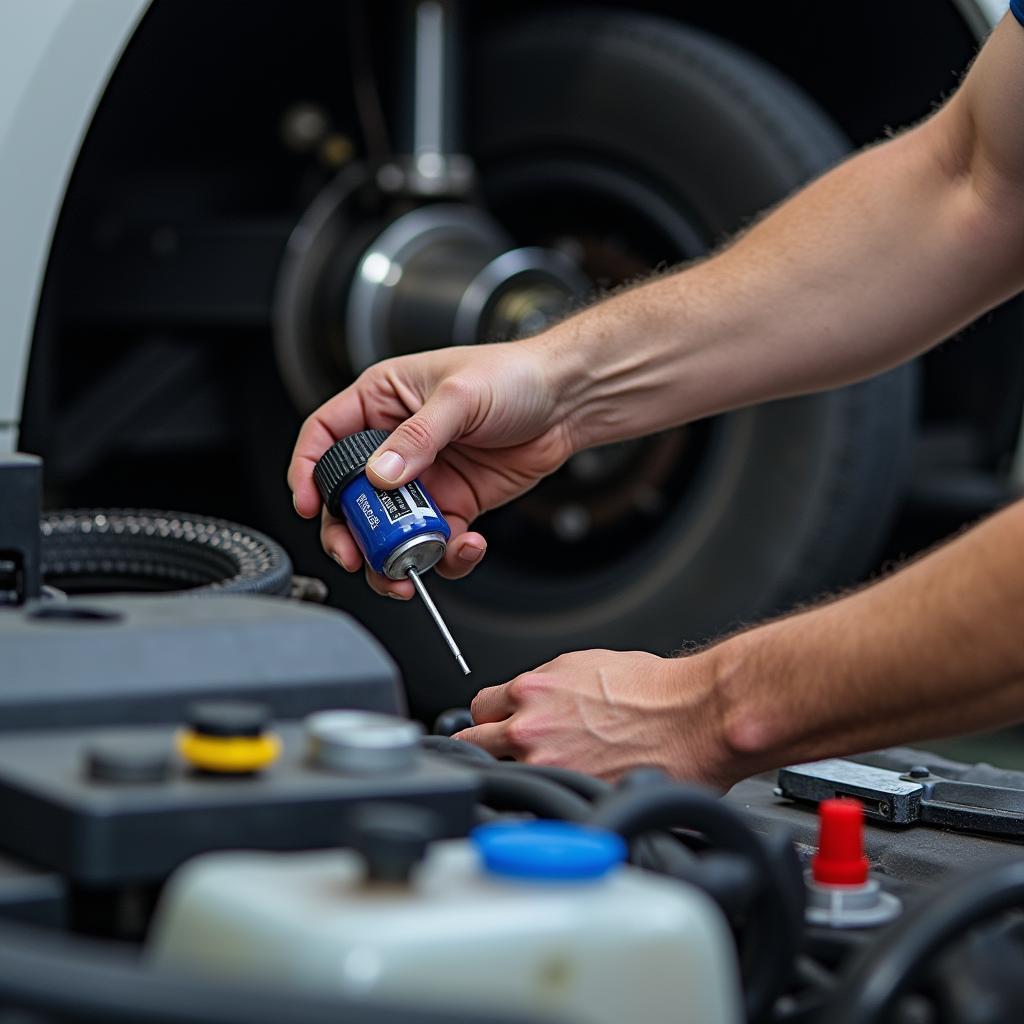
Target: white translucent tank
(562, 935)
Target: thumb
(414, 444)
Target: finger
(401, 590)
(414, 443)
(462, 555)
(492, 704)
(341, 415)
(338, 543)
(493, 738)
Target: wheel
(610, 142)
(632, 142)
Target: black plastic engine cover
(108, 834)
(142, 659)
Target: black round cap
(343, 462)
(392, 837)
(451, 721)
(127, 761)
(228, 718)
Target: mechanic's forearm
(873, 263)
(935, 649)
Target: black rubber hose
(85, 982)
(504, 789)
(124, 549)
(894, 962)
(585, 786)
(475, 755)
(773, 934)
(656, 852)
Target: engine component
(774, 917)
(31, 895)
(901, 857)
(912, 797)
(104, 833)
(840, 892)
(228, 738)
(130, 549)
(890, 967)
(362, 741)
(21, 483)
(401, 533)
(123, 660)
(540, 918)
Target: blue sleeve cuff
(1017, 7)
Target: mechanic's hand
(604, 713)
(480, 425)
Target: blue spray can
(400, 532)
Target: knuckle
(524, 686)
(518, 734)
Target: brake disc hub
(448, 274)
(351, 292)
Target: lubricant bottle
(537, 918)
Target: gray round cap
(362, 742)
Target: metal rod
(436, 616)
(429, 109)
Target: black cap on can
(343, 462)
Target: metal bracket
(21, 490)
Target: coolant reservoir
(540, 918)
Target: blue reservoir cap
(548, 850)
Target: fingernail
(295, 504)
(471, 552)
(395, 597)
(337, 558)
(388, 465)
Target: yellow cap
(228, 754)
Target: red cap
(840, 859)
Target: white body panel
(632, 946)
(55, 59)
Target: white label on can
(404, 501)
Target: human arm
(876, 261)
(934, 649)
